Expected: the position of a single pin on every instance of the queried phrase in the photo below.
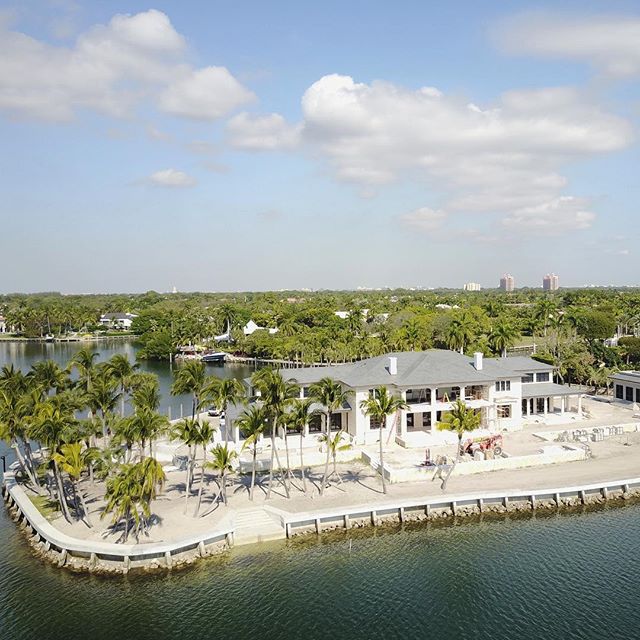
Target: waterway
(564, 576)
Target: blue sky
(251, 145)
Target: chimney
(477, 360)
(393, 365)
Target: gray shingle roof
(542, 389)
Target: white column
(462, 392)
(562, 405)
(579, 405)
(434, 413)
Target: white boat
(218, 357)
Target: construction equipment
(488, 443)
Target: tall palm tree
(276, 395)
(330, 394)
(502, 337)
(461, 420)
(298, 419)
(73, 459)
(252, 422)
(48, 375)
(221, 392)
(120, 369)
(103, 396)
(191, 379)
(202, 436)
(186, 431)
(459, 333)
(222, 462)
(379, 405)
(84, 362)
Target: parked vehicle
(493, 443)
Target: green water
(535, 577)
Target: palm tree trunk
(16, 447)
(286, 449)
(224, 487)
(204, 460)
(304, 476)
(29, 459)
(253, 470)
(84, 507)
(61, 497)
(326, 463)
(384, 483)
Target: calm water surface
(545, 576)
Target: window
(542, 377)
(409, 420)
(426, 419)
(629, 394)
(619, 391)
(315, 424)
(503, 385)
(374, 423)
(415, 396)
(638, 395)
(527, 377)
(305, 392)
(336, 422)
(504, 411)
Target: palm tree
(502, 337)
(330, 394)
(544, 311)
(459, 333)
(298, 418)
(223, 392)
(186, 431)
(48, 375)
(191, 379)
(276, 395)
(83, 361)
(103, 397)
(120, 369)
(252, 422)
(202, 436)
(130, 492)
(460, 419)
(335, 444)
(73, 459)
(378, 406)
(146, 425)
(223, 458)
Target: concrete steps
(256, 525)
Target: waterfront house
(508, 393)
(122, 321)
(3, 325)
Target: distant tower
(174, 290)
(550, 282)
(472, 286)
(507, 282)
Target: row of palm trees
(77, 416)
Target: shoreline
(81, 556)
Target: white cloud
(552, 218)
(609, 43)
(262, 133)
(424, 219)
(501, 159)
(171, 178)
(204, 94)
(110, 68)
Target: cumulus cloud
(262, 133)
(204, 94)
(504, 158)
(552, 218)
(111, 68)
(171, 178)
(424, 219)
(610, 43)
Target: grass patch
(47, 507)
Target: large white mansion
(507, 391)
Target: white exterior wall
(512, 397)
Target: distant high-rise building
(507, 282)
(550, 282)
(472, 286)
